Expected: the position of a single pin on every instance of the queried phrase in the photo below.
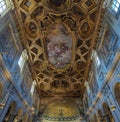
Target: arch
(108, 117)
(25, 118)
(100, 116)
(30, 119)
(10, 113)
(95, 118)
(18, 116)
(2, 91)
(92, 119)
(117, 92)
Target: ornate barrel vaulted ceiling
(59, 36)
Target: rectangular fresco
(59, 45)
(8, 46)
(109, 45)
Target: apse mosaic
(59, 37)
(63, 111)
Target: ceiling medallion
(58, 5)
(60, 84)
(60, 46)
(31, 28)
(86, 27)
(76, 1)
(57, 2)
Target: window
(87, 87)
(3, 6)
(109, 46)
(115, 5)
(22, 59)
(96, 58)
(32, 88)
(1, 91)
(117, 92)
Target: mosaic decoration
(59, 37)
(63, 111)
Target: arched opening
(100, 116)
(95, 118)
(25, 118)
(61, 110)
(117, 92)
(92, 119)
(30, 119)
(108, 117)
(10, 113)
(1, 91)
(18, 116)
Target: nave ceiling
(59, 36)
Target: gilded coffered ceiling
(59, 36)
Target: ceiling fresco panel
(59, 44)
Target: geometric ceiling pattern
(59, 37)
